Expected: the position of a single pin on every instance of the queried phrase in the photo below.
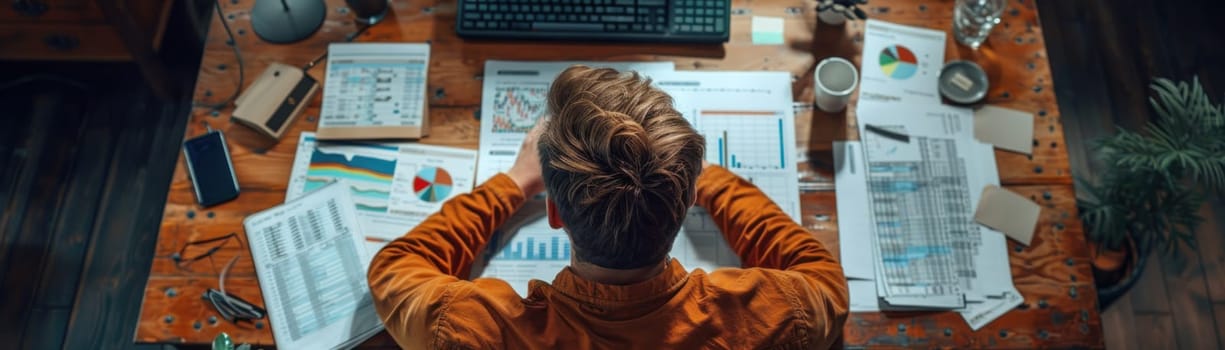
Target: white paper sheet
(394, 186)
(513, 98)
(375, 85)
(900, 63)
(854, 224)
(312, 270)
(748, 114)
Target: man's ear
(554, 216)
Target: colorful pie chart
(432, 184)
(898, 62)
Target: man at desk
(621, 167)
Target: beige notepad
(1005, 128)
(1008, 212)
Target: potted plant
(1148, 197)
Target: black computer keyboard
(682, 21)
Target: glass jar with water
(973, 20)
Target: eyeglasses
(182, 259)
(229, 306)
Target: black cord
(242, 71)
(348, 38)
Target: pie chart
(898, 62)
(432, 184)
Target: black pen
(887, 133)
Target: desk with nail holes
(1053, 273)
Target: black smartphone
(210, 168)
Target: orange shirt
(791, 293)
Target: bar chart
(537, 248)
(751, 140)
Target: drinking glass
(973, 20)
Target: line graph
(516, 109)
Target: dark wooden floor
(1103, 56)
(86, 155)
(84, 170)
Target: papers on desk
(900, 63)
(513, 98)
(311, 266)
(748, 121)
(394, 186)
(907, 192)
(919, 196)
(375, 91)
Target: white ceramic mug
(834, 80)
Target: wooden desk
(1053, 274)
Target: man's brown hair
(620, 163)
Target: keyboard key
(578, 27)
(618, 19)
(472, 15)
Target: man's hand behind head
(526, 170)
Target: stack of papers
(907, 192)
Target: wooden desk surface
(1052, 274)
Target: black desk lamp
(287, 21)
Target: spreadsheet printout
(311, 267)
(375, 90)
(922, 195)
